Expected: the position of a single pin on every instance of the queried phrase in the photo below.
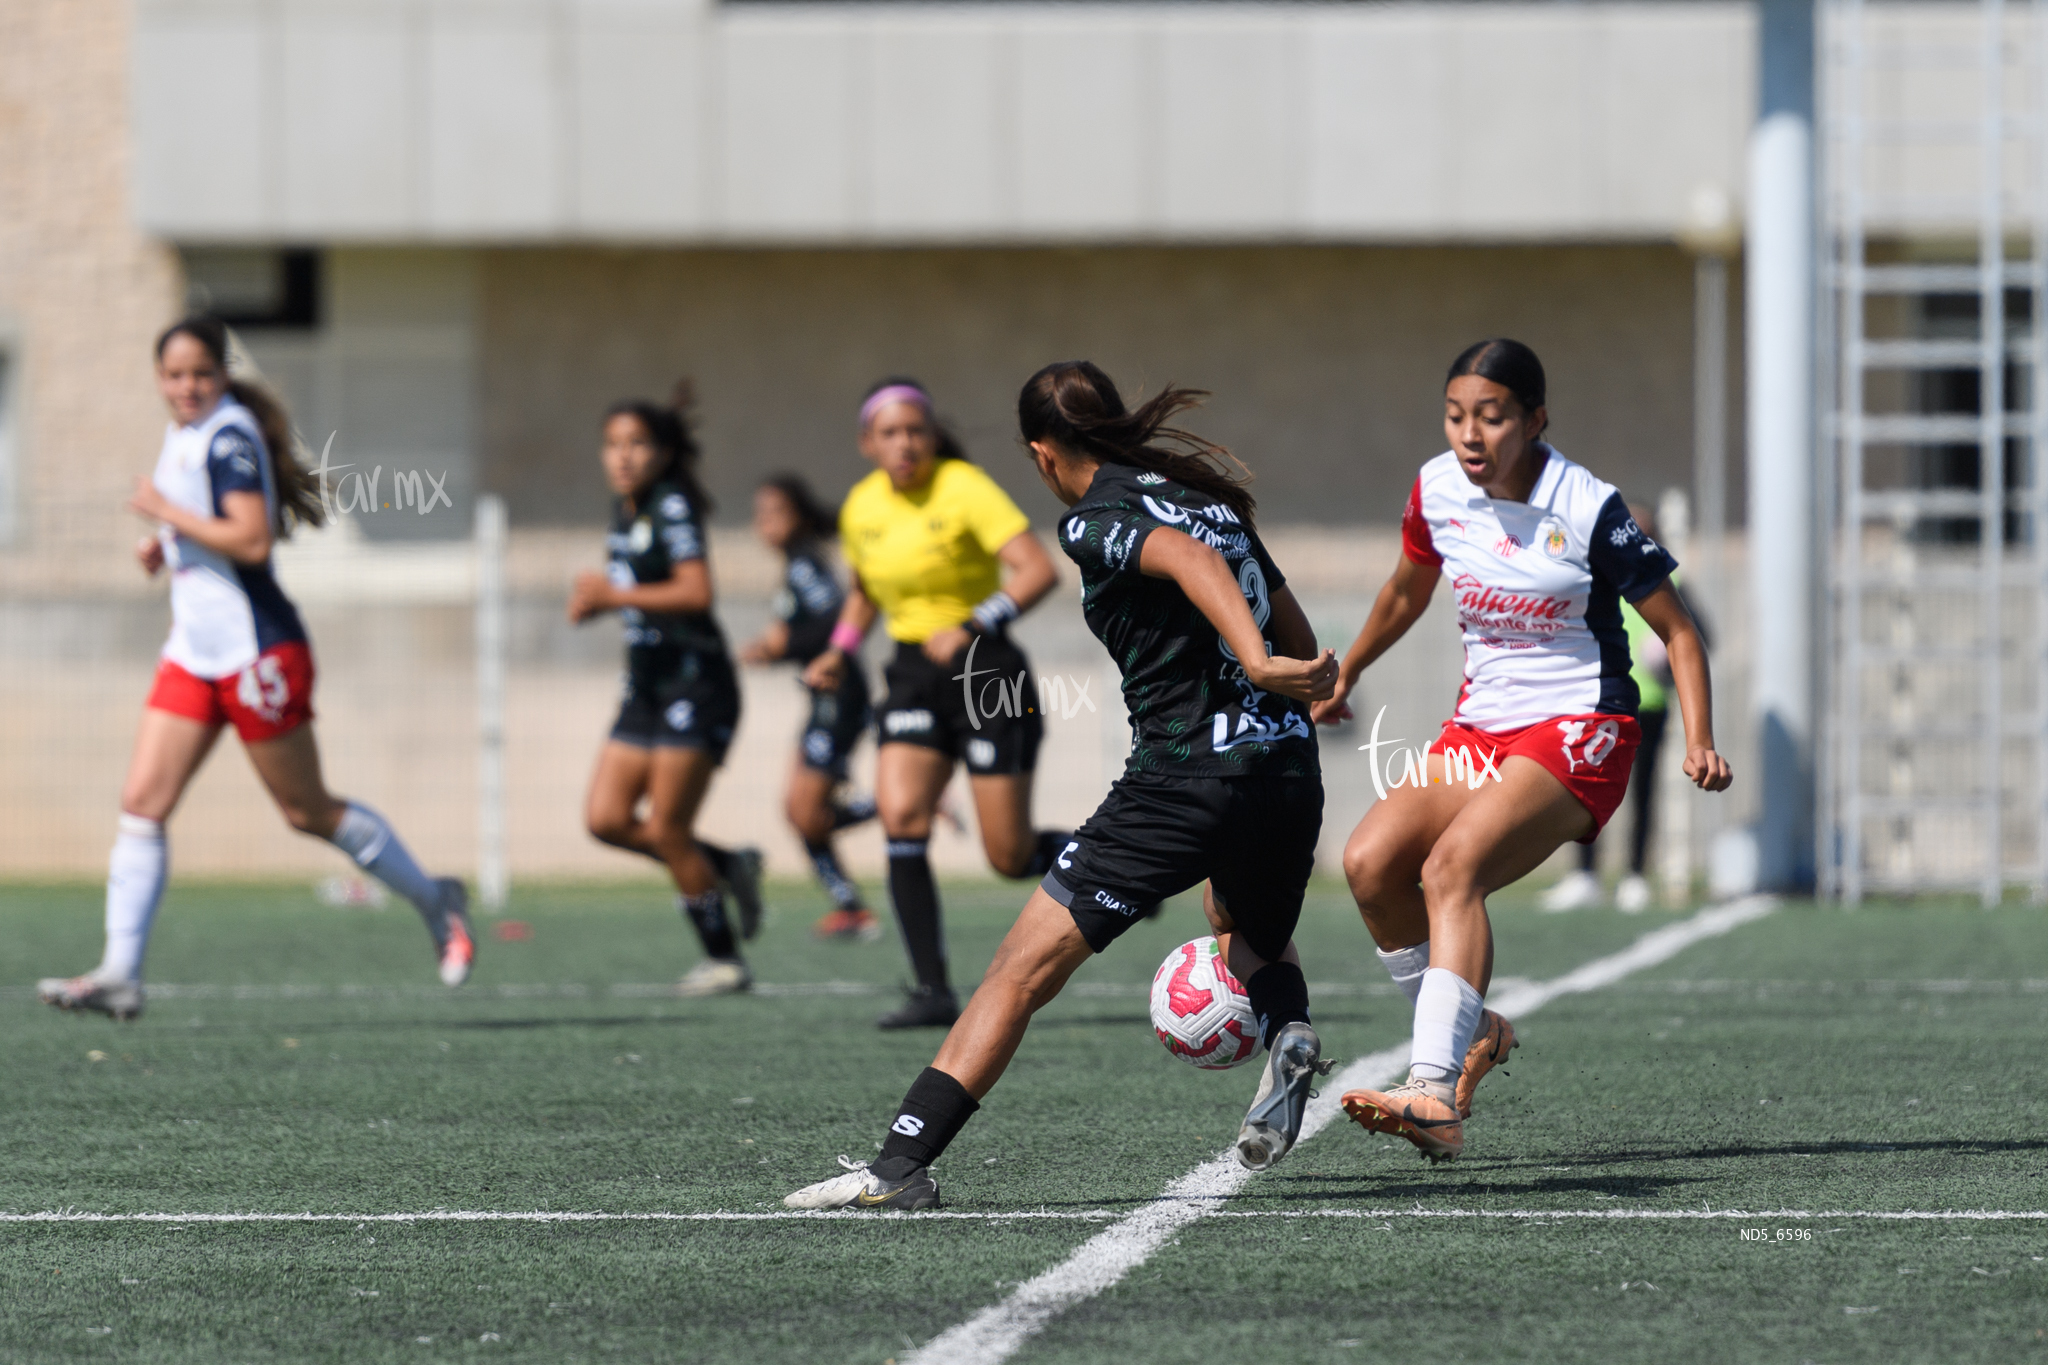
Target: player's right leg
(678, 779)
(289, 765)
(1037, 956)
(909, 779)
(169, 747)
(1502, 832)
(807, 802)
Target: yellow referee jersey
(927, 558)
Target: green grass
(1816, 1060)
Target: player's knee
(308, 818)
(1366, 871)
(904, 820)
(1008, 858)
(609, 827)
(808, 817)
(1451, 870)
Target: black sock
(845, 895)
(854, 810)
(1279, 997)
(707, 912)
(931, 1115)
(916, 897)
(720, 860)
(1050, 842)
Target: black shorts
(835, 723)
(685, 700)
(989, 718)
(1155, 835)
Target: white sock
(377, 849)
(1406, 966)
(1446, 1017)
(135, 885)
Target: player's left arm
(1292, 635)
(241, 531)
(1206, 578)
(1028, 576)
(1666, 614)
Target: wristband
(997, 610)
(846, 637)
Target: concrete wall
(1326, 362)
(82, 292)
(692, 121)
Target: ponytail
(297, 488)
(1072, 403)
(668, 427)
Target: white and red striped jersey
(1539, 587)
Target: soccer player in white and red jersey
(1540, 555)
(226, 488)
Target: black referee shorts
(1156, 835)
(981, 707)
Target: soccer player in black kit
(1218, 663)
(789, 519)
(681, 699)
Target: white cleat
(1579, 890)
(115, 999)
(861, 1188)
(715, 976)
(1632, 897)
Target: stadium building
(452, 232)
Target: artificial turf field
(1817, 1060)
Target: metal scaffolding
(1932, 333)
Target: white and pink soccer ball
(1200, 1011)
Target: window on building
(254, 286)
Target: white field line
(1047, 1215)
(995, 1334)
(160, 991)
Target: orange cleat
(1412, 1111)
(854, 924)
(1491, 1044)
(455, 945)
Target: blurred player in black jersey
(1218, 666)
(789, 519)
(682, 700)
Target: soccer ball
(1200, 1011)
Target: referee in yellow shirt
(928, 537)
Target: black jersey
(808, 603)
(647, 540)
(1193, 713)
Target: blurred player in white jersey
(226, 488)
(1540, 555)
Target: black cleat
(743, 879)
(926, 1007)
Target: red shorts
(269, 698)
(1591, 755)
